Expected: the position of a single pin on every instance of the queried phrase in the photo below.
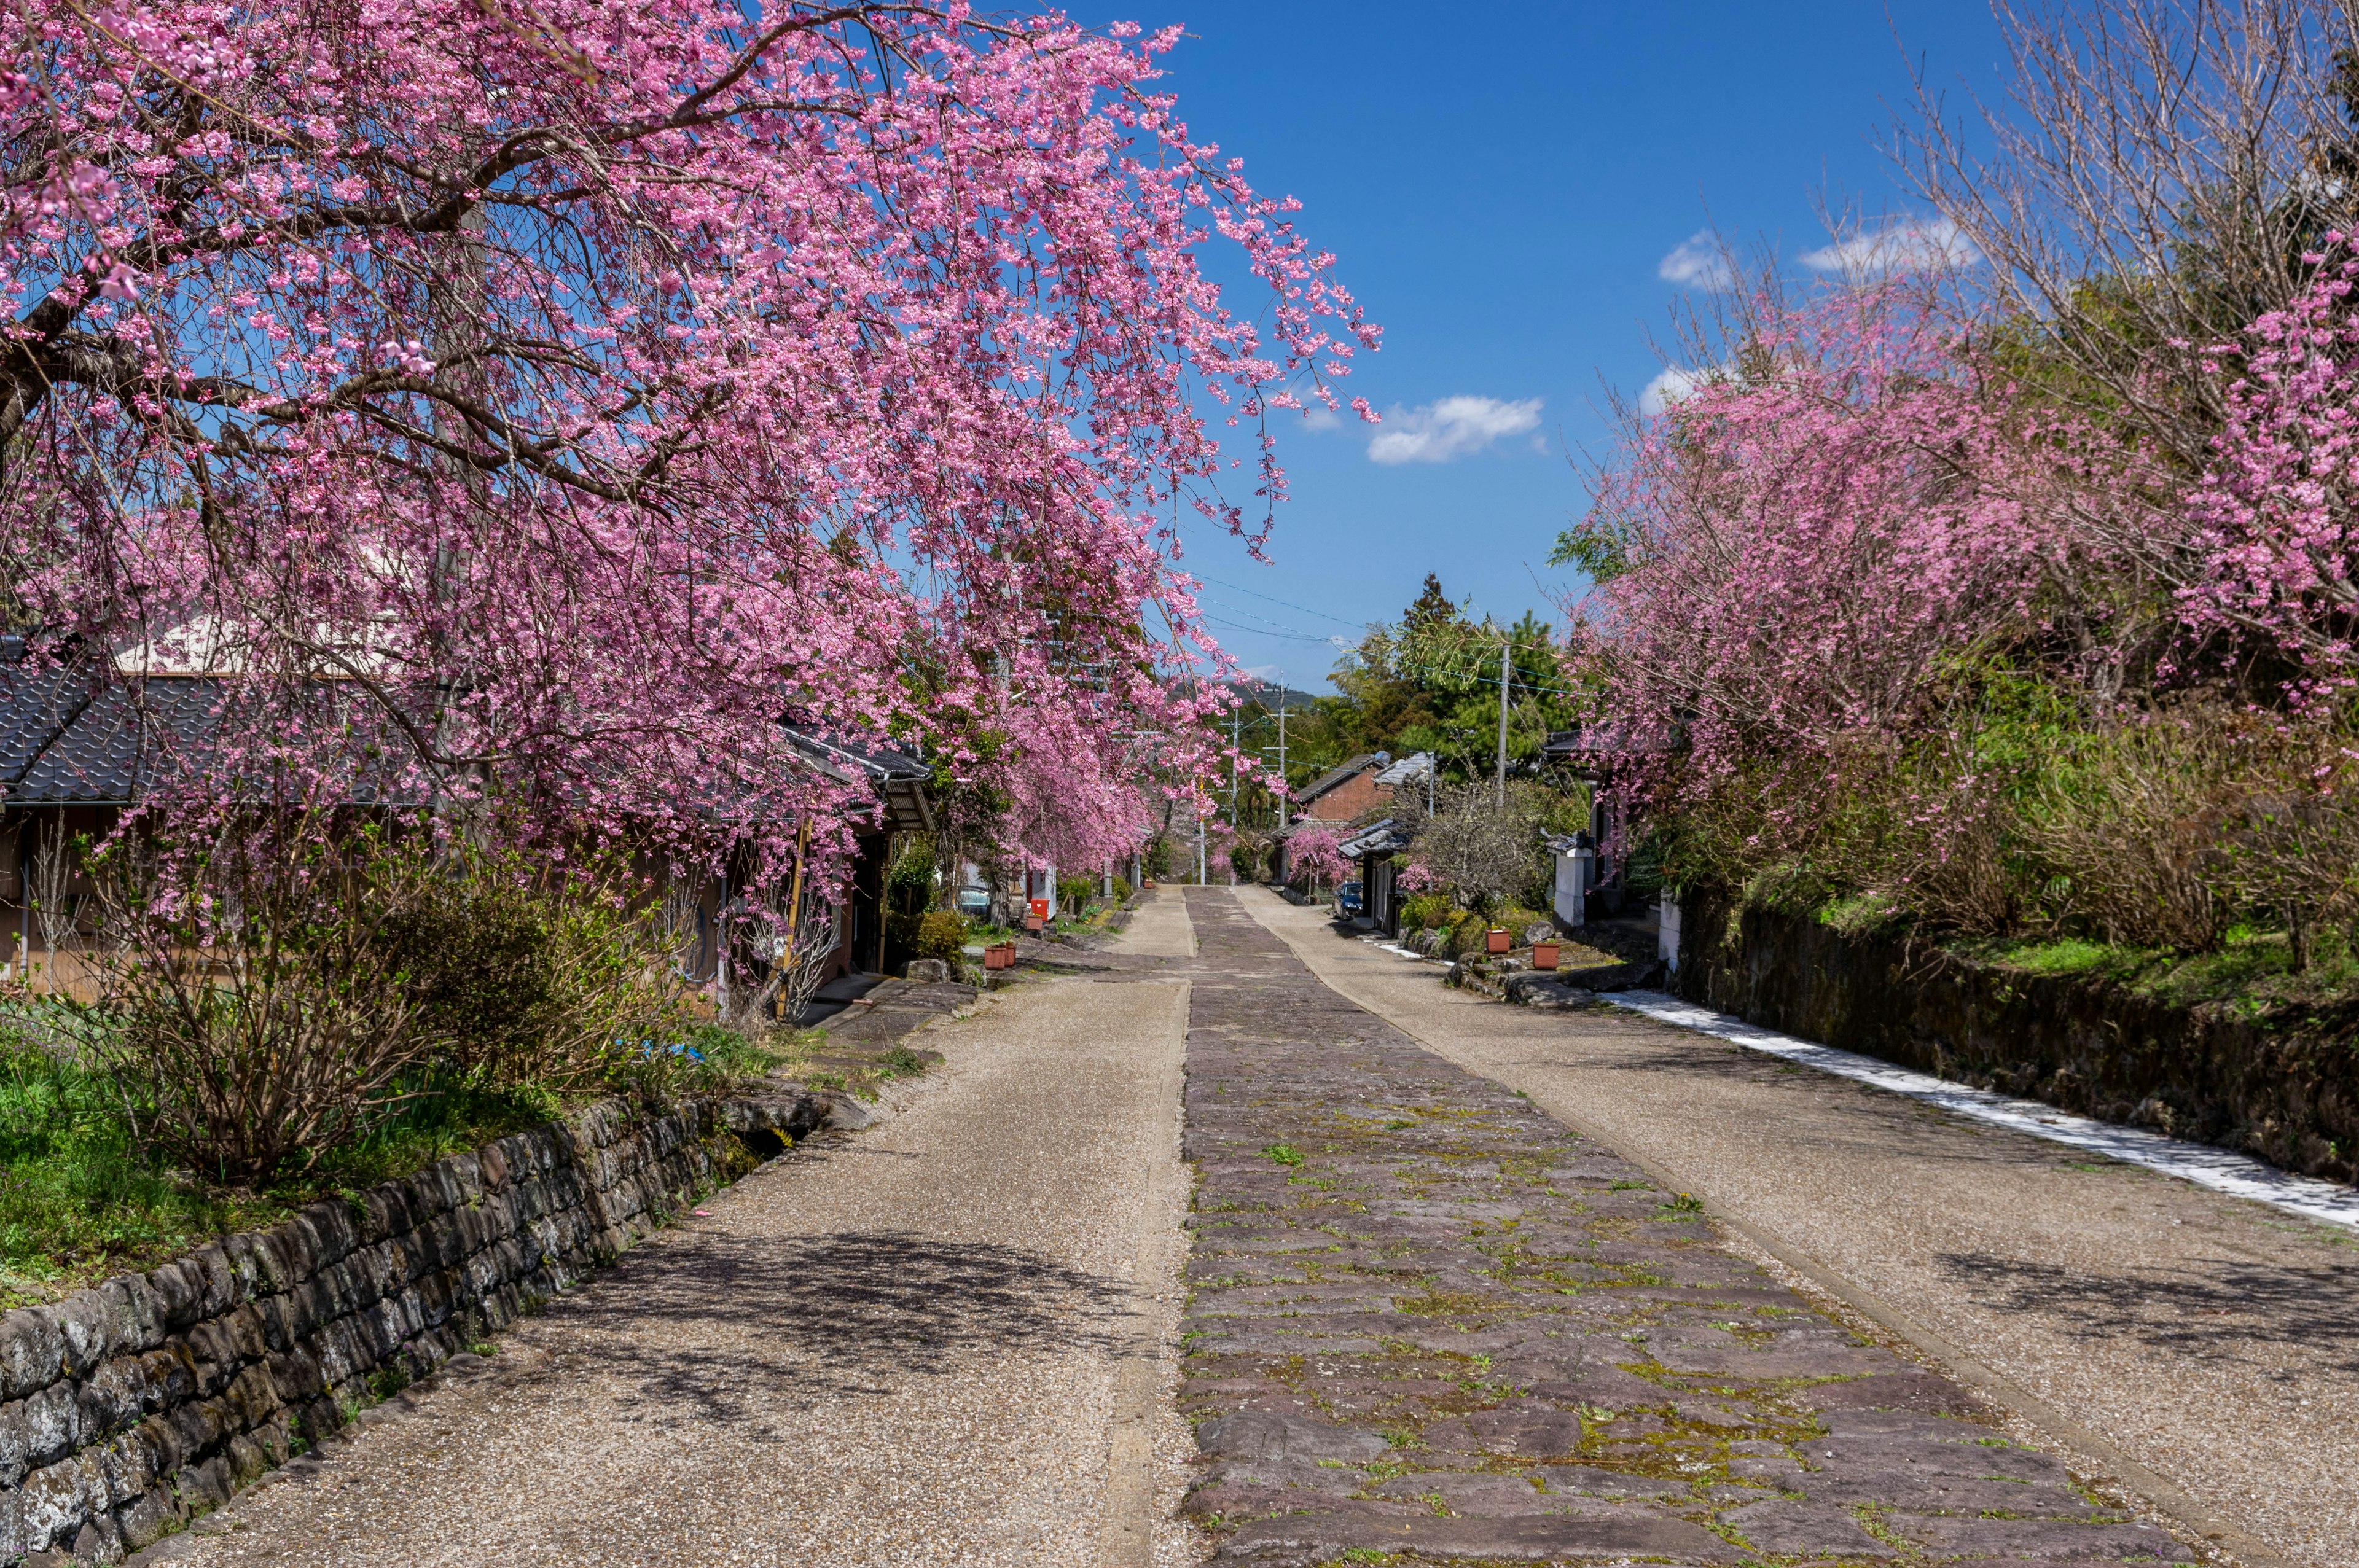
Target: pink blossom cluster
(1315, 855)
(546, 403)
(1803, 545)
(2279, 551)
(1802, 540)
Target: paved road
(1428, 1318)
(937, 1342)
(2213, 1340)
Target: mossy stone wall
(2288, 1095)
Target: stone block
(295, 1376)
(1789, 1529)
(32, 1351)
(84, 1324)
(113, 1398)
(56, 1503)
(251, 1397)
(16, 1443)
(206, 1485)
(127, 1466)
(245, 1327)
(180, 1291)
(464, 1172)
(148, 1519)
(52, 1424)
(1259, 1434)
(98, 1540)
(218, 1293)
(247, 1463)
(134, 1312)
(332, 1232)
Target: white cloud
(1894, 245)
(1451, 427)
(1670, 384)
(1319, 416)
(1697, 260)
(1269, 673)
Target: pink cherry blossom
(546, 403)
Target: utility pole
(1504, 646)
(1200, 847)
(1281, 753)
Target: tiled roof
(899, 777)
(35, 705)
(117, 745)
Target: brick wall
(1348, 801)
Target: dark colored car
(974, 902)
(1347, 899)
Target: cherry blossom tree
(2279, 542)
(1789, 555)
(541, 403)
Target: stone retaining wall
(129, 1409)
(2287, 1094)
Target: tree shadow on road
(2207, 1313)
(729, 1328)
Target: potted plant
(999, 956)
(1544, 954)
(1496, 940)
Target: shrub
(259, 1017)
(1122, 891)
(1072, 892)
(272, 996)
(1486, 855)
(1518, 919)
(518, 978)
(1426, 910)
(1467, 936)
(942, 935)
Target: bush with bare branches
(258, 1017)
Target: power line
(1356, 625)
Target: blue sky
(1503, 192)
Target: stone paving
(1430, 1325)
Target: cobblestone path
(1429, 1321)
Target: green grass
(1283, 1153)
(2071, 956)
(79, 1201)
(2252, 970)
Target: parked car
(1348, 900)
(974, 902)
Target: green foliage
(81, 1199)
(1517, 919)
(942, 933)
(1283, 1153)
(1074, 892)
(909, 880)
(517, 979)
(1122, 891)
(1466, 935)
(1427, 910)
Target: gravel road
(917, 1345)
(2213, 1340)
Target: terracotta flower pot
(1543, 955)
(1497, 941)
(1031, 923)
(1000, 955)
